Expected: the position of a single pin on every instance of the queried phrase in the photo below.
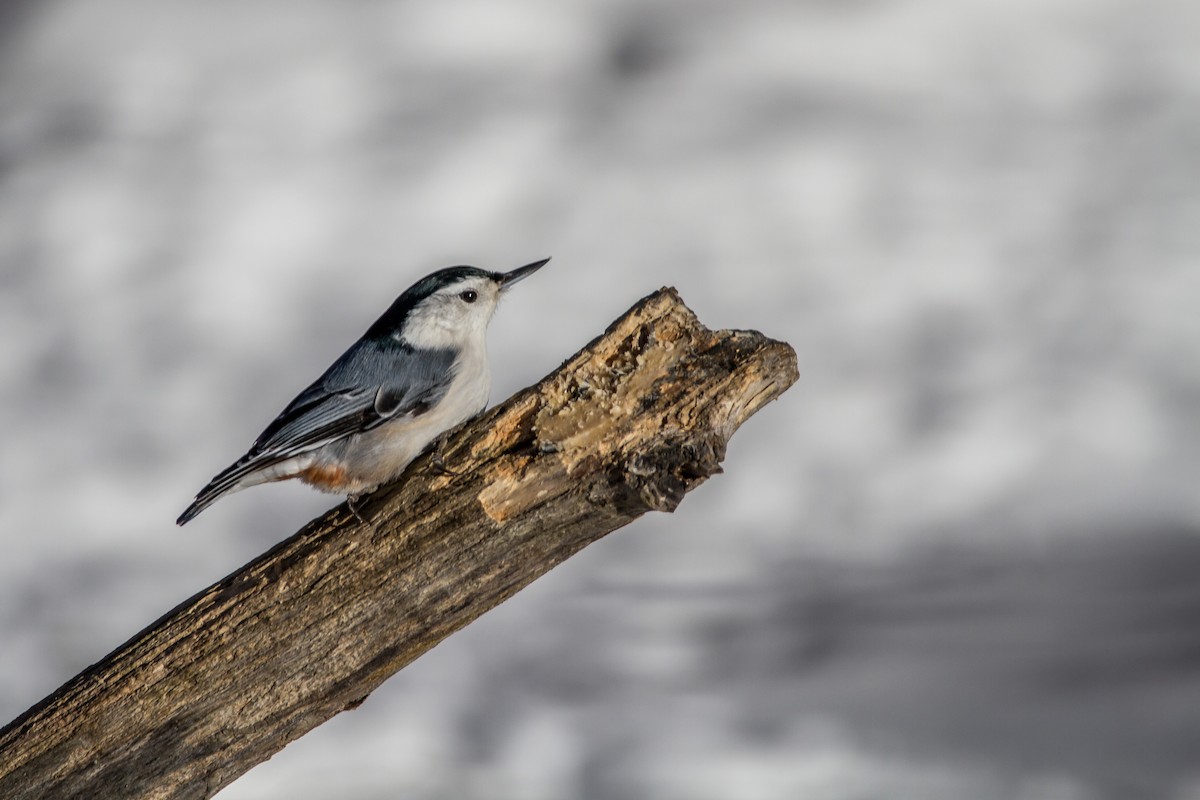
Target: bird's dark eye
(470, 296)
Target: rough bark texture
(629, 424)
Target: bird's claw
(440, 466)
(352, 502)
(438, 459)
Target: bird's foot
(352, 503)
(438, 460)
(441, 467)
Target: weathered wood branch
(629, 424)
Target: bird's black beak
(507, 279)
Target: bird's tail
(203, 500)
(238, 475)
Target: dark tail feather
(222, 484)
(203, 500)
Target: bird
(419, 370)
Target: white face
(455, 316)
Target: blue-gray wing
(374, 381)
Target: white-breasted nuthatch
(420, 370)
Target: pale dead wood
(629, 424)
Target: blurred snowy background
(959, 559)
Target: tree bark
(629, 424)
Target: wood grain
(629, 424)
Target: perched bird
(418, 371)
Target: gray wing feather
(374, 381)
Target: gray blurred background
(957, 560)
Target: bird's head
(450, 307)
